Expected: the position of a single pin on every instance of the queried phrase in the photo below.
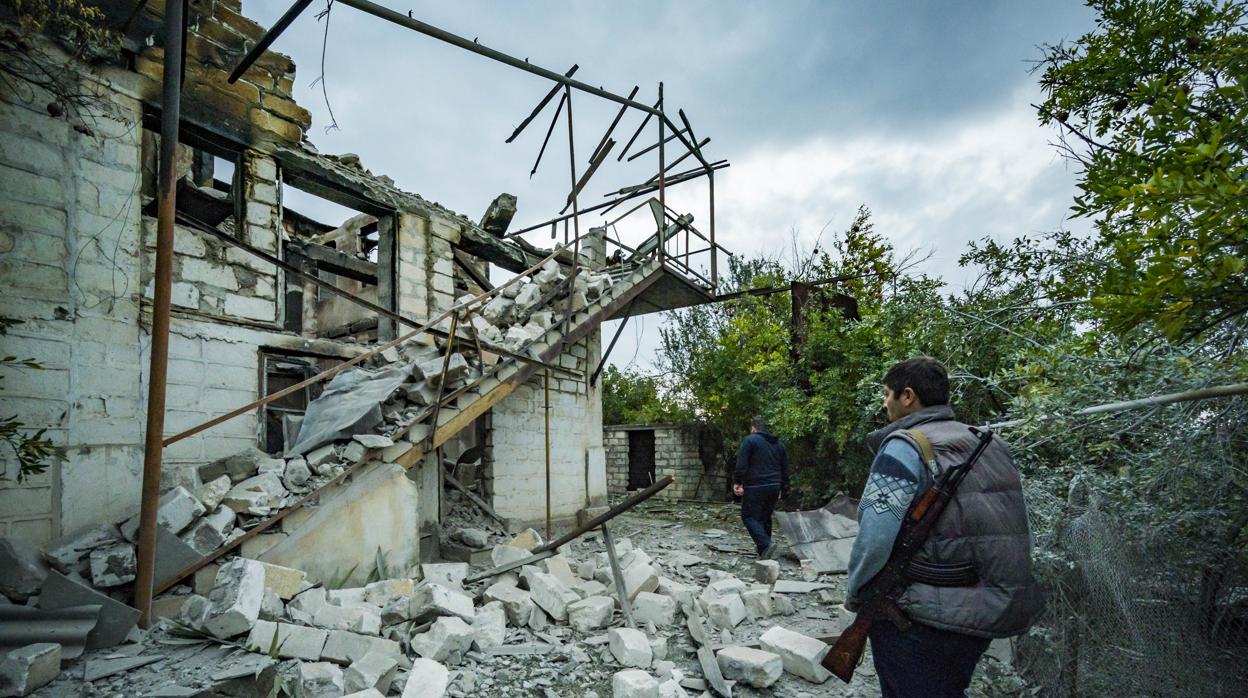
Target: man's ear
(908, 395)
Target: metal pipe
(446, 363)
(640, 127)
(540, 106)
(648, 148)
(403, 20)
(296, 9)
(549, 131)
(710, 180)
(617, 576)
(546, 414)
(589, 173)
(576, 212)
(633, 500)
(170, 116)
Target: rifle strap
(925, 449)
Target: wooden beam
(335, 262)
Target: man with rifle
(942, 562)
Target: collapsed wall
(78, 232)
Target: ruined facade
(638, 454)
(77, 232)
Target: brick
(292, 641)
(800, 655)
(755, 667)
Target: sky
(919, 110)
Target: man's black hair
(924, 375)
(759, 423)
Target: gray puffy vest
(984, 525)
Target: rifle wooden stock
(847, 651)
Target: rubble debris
(757, 668)
(426, 679)
(654, 608)
(234, 604)
(634, 683)
(801, 655)
(97, 669)
(320, 680)
(591, 613)
(65, 553)
(349, 405)
(472, 537)
(432, 600)
(28, 668)
(345, 647)
(113, 566)
(239, 466)
(286, 640)
(446, 642)
(630, 647)
(489, 626)
(766, 571)
(116, 619)
(498, 216)
(374, 670)
(22, 569)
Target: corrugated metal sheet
(824, 536)
(68, 627)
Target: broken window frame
(214, 145)
(303, 365)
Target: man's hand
(738, 490)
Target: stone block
(284, 581)
(393, 452)
(472, 537)
(489, 626)
(271, 607)
(66, 552)
(372, 441)
(671, 688)
(638, 577)
(766, 571)
(585, 569)
(357, 619)
(297, 473)
(654, 608)
(234, 602)
(22, 569)
(634, 683)
(209, 533)
(527, 540)
(559, 568)
(726, 612)
(433, 600)
(426, 679)
(382, 593)
(446, 641)
(374, 670)
(113, 566)
(505, 554)
(28, 668)
(757, 603)
(800, 654)
(351, 596)
(289, 641)
(757, 668)
(591, 588)
(449, 574)
(630, 647)
(592, 613)
(684, 594)
(782, 605)
(551, 595)
(239, 466)
(304, 605)
(324, 455)
(344, 647)
(320, 680)
(658, 647)
(516, 602)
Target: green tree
(629, 397)
(1153, 107)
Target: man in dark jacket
(972, 581)
(762, 474)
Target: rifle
(879, 596)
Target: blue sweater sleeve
(897, 477)
(743, 462)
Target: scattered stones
(726, 612)
(472, 537)
(634, 683)
(65, 553)
(374, 670)
(489, 626)
(630, 647)
(449, 574)
(766, 571)
(287, 641)
(28, 668)
(320, 680)
(516, 602)
(526, 540)
(592, 613)
(432, 600)
(344, 647)
(551, 595)
(113, 566)
(426, 679)
(654, 608)
(757, 603)
(801, 655)
(239, 466)
(446, 641)
(755, 667)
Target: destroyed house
(464, 395)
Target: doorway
(640, 458)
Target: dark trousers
(924, 662)
(757, 504)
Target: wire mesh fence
(1127, 618)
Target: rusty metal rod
(446, 363)
(648, 148)
(650, 181)
(608, 205)
(158, 366)
(580, 183)
(296, 9)
(640, 127)
(617, 577)
(540, 106)
(549, 131)
(662, 172)
(403, 20)
(546, 417)
(710, 182)
(633, 500)
(689, 129)
(614, 122)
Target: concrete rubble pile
(432, 634)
